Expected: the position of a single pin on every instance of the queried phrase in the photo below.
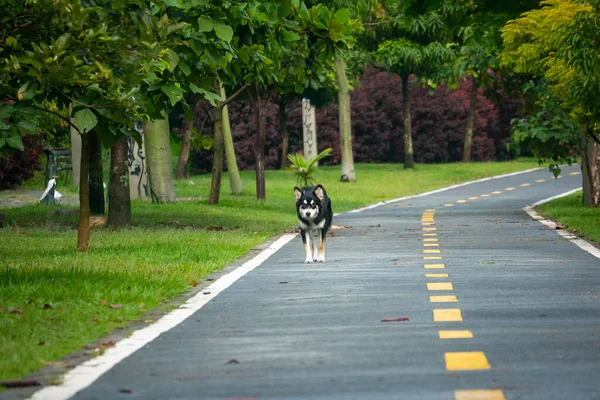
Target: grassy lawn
(54, 301)
(569, 211)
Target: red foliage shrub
(438, 124)
(20, 165)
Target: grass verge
(54, 301)
(570, 212)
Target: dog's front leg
(307, 246)
(321, 257)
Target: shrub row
(438, 124)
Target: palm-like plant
(303, 169)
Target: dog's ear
(320, 192)
(297, 193)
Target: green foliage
(303, 169)
(549, 133)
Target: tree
(119, 205)
(235, 181)
(556, 44)
(116, 62)
(417, 43)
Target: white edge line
(584, 245)
(85, 374)
(439, 190)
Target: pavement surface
(481, 302)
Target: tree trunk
(345, 122)
(83, 231)
(470, 119)
(158, 158)
(283, 120)
(408, 146)
(259, 148)
(235, 182)
(119, 200)
(217, 167)
(96, 180)
(184, 156)
(591, 172)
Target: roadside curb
(583, 244)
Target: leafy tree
(115, 61)
(558, 43)
(416, 42)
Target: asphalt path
(516, 312)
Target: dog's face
(308, 201)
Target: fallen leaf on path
(125, 390)
(335, 227)
(194, 283)
(233, 361)
(375, 226)
(103, 302)
(283, 282)
(116, 306)
(399, 319)
(106, 345)
(149, 321)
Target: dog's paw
(308, 261)
(321, 259)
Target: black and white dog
(315, 215)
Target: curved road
(481, 302)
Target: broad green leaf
(342, 16)
(85, 120)
(5, 111)
(285, 6)
(205, 25)
(15, 142)
(27, 126)
(26, 91)
(289, 36)
(224, 32)
(172, 59)
(2, 142)
(174, 93)
(185, 68)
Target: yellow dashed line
(510, 188)
(434, 266)
(440, 286)
(431, 245)
(443, 299)
(497, 192)
(436, 275)
(574, 173)
(558, 177)
(526, 184)
(473, 198)
(430, 240)
(461, 201)
(432, 258)
(431, 252)
(430, 234)
(455, 334)
(447, 315)
(466, 361)
(429, 229)
(448, 205)
(482, 394)
(541, 180)
(485, 195)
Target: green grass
(570, 212)
(66, 296)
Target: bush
(20, 165)
(438, 123)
